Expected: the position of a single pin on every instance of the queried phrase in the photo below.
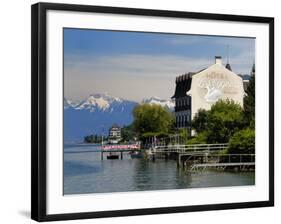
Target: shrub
(201, 138)
(220, 122)
(242, 142)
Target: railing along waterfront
(189, 148)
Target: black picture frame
(39, 108)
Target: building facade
(183, 101)
(202, 89)
(114, 135)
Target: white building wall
(213, 84)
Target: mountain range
(97, 113)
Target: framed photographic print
(139, 111)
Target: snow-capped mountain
(68, 104)
(97, 113)
(164, 103)
(98, 101)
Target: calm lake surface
(85, 172)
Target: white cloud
(137, 64)
(134, 76)
(127, 76)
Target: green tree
(219, 123)
(225, 118)
(184, 136)
(89, 139)
(128, 133)
(200, 121)
(242, 142)
(152, 119)
(94, 139)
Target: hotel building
(202, 89)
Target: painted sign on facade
(213, 84)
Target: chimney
(218, 60)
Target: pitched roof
(183, 84)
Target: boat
(112, 156)
(135, 155)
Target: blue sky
(136, 65)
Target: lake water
(85, 172)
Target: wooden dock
(218, 161)
(202, 156)
(112, 148)
(121, 151)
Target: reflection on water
(85, 173)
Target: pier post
(101, 155)
(121, 155)
(179, 161)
